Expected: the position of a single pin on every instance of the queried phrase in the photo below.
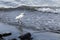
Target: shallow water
(35, 16)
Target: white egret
(18, 18)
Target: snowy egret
(18, 18)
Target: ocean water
(39, 5)
(35, 16)
(14, 3)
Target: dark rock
(26, 36)
(14, 39)
(56, 13)
(0, 35)
(6, 34)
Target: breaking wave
(48, 9)
(36, 5)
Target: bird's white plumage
(20, 16)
